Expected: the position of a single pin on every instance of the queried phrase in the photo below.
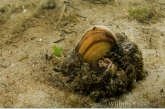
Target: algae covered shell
(114, 64)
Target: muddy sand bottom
(29, 30)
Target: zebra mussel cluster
(103, 64)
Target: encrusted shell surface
(108, 74)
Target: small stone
(49, 5)
(5, 63)
(56, 69)
(161, 90)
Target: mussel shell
(96, 51)
(95, 43)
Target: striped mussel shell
(95, 43)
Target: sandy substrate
(27, 33)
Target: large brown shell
(95, 43)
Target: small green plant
(57, 51)
(137, 12)
(145, 15)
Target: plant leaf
(57, 51)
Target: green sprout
(57, 51)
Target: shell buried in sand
(103, 64)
